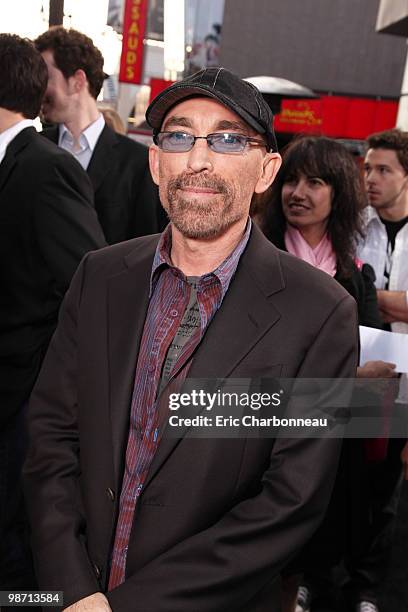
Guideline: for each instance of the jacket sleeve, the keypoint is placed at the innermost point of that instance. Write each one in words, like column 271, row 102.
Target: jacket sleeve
column 52, row 468
column 225, row 566
column 65, row 221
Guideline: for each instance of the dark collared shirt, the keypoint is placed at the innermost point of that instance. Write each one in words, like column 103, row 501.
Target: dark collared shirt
column 170, row 293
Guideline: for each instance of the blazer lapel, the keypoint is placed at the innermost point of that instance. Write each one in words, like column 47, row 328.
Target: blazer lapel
column 246, row 314
column 102, row 157
column 128, row 299
column 51, row 133
column 10, row 159
column 6, row 167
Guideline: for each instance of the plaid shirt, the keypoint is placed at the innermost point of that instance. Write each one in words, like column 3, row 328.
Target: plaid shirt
column 169, row 297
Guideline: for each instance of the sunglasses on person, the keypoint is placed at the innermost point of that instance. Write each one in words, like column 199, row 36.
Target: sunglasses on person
column 220, row 142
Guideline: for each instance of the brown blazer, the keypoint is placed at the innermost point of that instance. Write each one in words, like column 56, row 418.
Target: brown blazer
column 217, row 519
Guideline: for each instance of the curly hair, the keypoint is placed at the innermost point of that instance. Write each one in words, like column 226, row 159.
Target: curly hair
column 23, row 76
column 331, row 161
column 74, row 51
column 394, row 140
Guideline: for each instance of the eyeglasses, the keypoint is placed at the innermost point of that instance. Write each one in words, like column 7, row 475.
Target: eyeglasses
column 225, row 142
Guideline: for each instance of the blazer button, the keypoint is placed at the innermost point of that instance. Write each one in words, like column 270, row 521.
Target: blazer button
column 110, row 494
column 97, row 571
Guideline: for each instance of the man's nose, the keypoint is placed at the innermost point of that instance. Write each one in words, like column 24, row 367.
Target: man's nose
column 369, row 177
column 200, row 157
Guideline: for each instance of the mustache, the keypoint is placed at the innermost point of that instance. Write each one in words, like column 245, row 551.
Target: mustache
column 201, row 181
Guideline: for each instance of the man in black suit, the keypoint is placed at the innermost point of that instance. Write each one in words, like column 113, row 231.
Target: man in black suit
column 47, row 224
column 166, row 523
column 126, row 198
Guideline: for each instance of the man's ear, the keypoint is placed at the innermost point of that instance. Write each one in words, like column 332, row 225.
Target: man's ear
column 154, row 163
column 270, row 166
column 79, row 80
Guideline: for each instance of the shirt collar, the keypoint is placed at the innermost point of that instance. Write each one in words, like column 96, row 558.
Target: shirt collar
column 7, row 136
column 89, row 136
column 371, row 214
column 223, row 273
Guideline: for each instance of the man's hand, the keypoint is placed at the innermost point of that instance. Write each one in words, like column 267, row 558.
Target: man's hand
column 382, row 370
column 404, row 459
column 393, row 305
column 377, row 369
column 93, row 603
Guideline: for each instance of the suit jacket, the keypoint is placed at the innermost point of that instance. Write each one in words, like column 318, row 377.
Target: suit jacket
column 217, row 518
column 126, row 199
column 47, row 224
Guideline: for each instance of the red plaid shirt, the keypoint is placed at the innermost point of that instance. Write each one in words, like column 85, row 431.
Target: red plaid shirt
column 169, row 297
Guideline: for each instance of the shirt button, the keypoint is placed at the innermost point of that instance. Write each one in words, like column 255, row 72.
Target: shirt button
column 124, row 551
column 110, row 493
column 174, row 313
column 138, row 489
column 151, row 368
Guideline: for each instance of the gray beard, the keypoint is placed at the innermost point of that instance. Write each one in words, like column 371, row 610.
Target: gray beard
column 193, row 218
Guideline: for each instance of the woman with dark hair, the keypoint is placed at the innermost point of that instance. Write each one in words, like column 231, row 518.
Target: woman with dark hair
column 317, row 197
column 313, row 212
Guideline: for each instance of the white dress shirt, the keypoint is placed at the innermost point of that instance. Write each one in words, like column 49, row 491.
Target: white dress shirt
column 87, row 141
column 373, row 250
column 8, row 135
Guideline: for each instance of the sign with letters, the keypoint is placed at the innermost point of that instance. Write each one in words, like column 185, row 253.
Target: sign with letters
column 336, row 116
column 134, row 27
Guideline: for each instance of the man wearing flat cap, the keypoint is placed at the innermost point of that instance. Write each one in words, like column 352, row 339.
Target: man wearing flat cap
column 125, row 517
